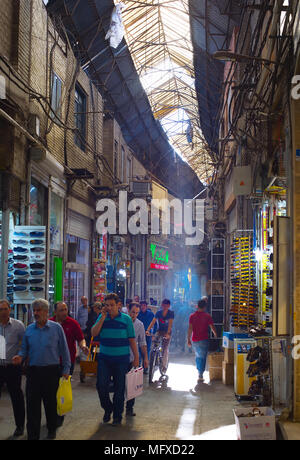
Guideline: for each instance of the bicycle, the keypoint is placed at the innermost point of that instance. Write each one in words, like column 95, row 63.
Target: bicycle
column 156, row 360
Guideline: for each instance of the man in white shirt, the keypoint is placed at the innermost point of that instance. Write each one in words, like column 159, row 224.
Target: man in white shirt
column 11, row 333
column 140, row 337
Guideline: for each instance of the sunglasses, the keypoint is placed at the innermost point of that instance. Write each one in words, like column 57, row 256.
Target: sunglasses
column 36, row 289
column 37, row 234
column 22, row 234
column 20, row 289
column 19, row 281
column 37, row 273
column 37, row 266
column 20, row 266
column 20, row 249
column 21, row 273
column 37, row 249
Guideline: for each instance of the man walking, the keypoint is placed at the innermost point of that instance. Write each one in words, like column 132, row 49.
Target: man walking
column 73, row 334
column 198, row 338
column 146, row 316
column 117, row 337
column 72, row 331
column 45, row 346
column 140, row 337
column 83, row 313
column 11, row 335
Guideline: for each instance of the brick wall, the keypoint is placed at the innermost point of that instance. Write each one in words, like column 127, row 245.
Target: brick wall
column 51, row 53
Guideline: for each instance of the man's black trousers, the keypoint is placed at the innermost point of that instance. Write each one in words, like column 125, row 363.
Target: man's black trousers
column 42, row 385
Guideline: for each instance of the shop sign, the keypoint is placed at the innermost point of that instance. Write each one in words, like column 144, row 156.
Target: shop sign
column 159, row 257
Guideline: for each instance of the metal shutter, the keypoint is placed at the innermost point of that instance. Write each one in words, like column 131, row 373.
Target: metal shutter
column 79, row 225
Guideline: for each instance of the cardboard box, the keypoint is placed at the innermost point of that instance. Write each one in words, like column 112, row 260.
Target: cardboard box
column 215, row 359
column 228, row 373
column 261, row 428
column 215, row 373
column 229, row 355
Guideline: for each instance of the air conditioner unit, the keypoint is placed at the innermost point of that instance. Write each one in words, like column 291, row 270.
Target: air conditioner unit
column 34, row 125
column 140, row 188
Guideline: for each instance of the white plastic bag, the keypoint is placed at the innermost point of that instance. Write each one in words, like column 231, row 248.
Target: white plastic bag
column 134, row 383
column 116, row 31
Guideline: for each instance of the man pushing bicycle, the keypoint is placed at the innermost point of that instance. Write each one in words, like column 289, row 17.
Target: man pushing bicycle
column 165, row 319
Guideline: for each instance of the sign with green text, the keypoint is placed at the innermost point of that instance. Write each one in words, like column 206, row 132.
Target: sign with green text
column 159, row 257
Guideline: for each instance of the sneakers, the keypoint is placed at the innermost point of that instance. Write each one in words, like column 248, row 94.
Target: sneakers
column 200, row 379
column 130, row 413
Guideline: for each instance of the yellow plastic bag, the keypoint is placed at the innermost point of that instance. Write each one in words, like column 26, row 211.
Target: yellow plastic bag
column 64, row 396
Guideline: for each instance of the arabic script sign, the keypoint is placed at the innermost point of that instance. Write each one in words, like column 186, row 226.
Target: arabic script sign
column 159, row 257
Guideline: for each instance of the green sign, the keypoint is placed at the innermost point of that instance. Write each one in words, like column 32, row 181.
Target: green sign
column 159, row 255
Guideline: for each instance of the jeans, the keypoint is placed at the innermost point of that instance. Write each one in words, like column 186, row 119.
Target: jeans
column 117, row 371
column 201, row 350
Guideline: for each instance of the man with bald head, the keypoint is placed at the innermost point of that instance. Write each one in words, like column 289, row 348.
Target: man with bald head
column 73, row 334
column 71, row 329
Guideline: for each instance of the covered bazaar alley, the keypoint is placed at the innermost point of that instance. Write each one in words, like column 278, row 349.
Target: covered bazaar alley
column 149, row 220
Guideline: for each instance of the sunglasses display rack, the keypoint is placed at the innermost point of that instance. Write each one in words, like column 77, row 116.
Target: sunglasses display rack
column 244, row 294
column 28, row 265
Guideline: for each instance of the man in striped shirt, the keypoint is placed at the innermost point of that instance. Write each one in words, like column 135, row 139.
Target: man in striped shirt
column 117, row 337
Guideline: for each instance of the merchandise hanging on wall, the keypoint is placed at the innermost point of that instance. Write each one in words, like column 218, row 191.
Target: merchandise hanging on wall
column 99, row 266
column 27, row 267
column 244, row 296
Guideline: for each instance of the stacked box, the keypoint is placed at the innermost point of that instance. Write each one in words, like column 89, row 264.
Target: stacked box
column 227, row 373
column 229, row 355
column 215, row 366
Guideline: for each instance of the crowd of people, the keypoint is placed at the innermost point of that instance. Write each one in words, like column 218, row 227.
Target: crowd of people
column 46, row 351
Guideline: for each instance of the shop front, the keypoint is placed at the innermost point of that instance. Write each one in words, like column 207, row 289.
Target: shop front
column 77, row 279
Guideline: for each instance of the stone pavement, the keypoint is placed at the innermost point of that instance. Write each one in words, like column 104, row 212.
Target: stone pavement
column 163, row 413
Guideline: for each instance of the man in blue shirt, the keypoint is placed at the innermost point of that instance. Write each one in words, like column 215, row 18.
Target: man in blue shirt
column 146, row 316
column 45, row 346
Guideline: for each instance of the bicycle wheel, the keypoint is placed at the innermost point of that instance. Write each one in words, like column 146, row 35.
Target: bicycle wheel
column 162, row 370
column 152, row 365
